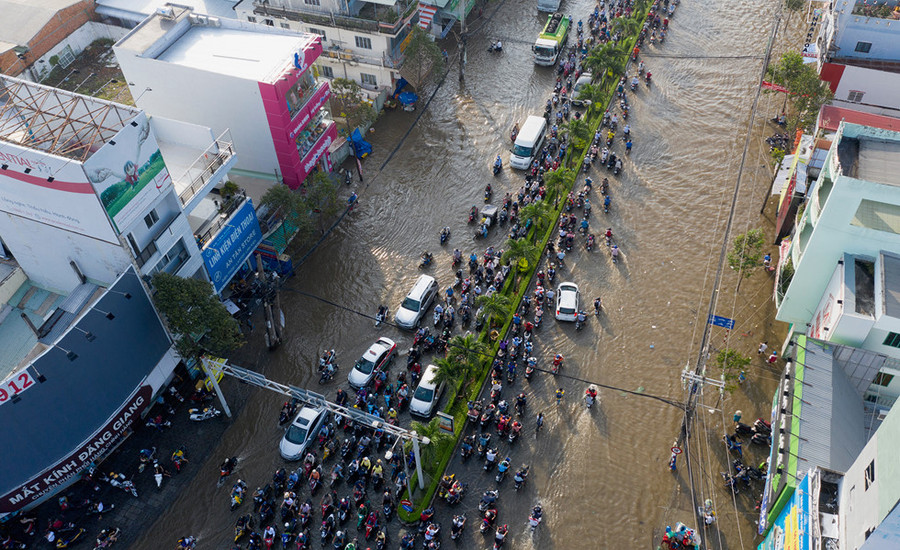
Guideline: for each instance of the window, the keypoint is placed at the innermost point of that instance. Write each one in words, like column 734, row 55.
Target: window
column 269, row 22
column 863, row 47
column 251, row 19
column 363, row 42
column 855, row 96
column 285, row 26
column 312, row 2
column 320, row 32
column 883, row 379
column 151, row 218
column 893, row 340
column 133, row 243
column 326, row 71
column 368, row 79
column 870, row 474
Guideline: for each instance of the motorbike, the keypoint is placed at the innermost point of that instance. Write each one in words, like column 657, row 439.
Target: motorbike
column 381, row 315
column 502, row 468
column 106, row 538
column 69, row 536
column 514, row 430
column 269, row 537
column 483, row 441
column 500, row 536
column 237, row 494
column 328, row 373
column 590, row 396
column 647, row 79
column 198, row 415
column 487, row 519
column 426, row 260
column 371, row 525
column 534, row 519
column 497, row 167
column 119, row 481
column 456, row 528
column 520, row 477
column 488, row 499
column 496, row 46
column 488, row 193
column 618, row 167
column 445, row 234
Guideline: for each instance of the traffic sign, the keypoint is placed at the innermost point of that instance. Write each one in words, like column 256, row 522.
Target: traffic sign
column 676, row 450
column 723, row 322
column 406, row 505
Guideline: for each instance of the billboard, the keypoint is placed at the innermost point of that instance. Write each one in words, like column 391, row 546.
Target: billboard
column 50, row 190
column 129, row 173
column 224, row 254
column 791, row 529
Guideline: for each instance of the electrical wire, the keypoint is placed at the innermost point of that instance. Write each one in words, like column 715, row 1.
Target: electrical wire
column 666, row 400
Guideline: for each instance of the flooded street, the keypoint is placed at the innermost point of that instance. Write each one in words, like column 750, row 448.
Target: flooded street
column 600, row 474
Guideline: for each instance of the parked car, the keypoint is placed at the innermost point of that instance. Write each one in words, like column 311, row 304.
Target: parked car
column 567, row 302
column 302, row 432
column 375, row 359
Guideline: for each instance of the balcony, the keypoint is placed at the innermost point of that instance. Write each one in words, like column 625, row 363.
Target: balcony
column 203, row 171
column 212, row 213
column 370, row 19
column 335, row 51
column 162, row 241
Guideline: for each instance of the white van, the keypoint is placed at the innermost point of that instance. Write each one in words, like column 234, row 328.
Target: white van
column 528, row 142
column 416, row 302
column 427, row 394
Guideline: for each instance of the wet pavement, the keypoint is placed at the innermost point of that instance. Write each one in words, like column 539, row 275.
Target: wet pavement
column 599, row 474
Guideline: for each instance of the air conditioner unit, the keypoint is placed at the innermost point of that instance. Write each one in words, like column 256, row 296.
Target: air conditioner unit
column 882, row 413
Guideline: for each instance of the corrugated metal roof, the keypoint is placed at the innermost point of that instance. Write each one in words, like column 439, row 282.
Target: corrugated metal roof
column 830, row 118
column 832, row 430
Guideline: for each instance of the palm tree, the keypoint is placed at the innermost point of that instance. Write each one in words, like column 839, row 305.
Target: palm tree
column 537, row 213
column 494, row 305
column 450, row 371
column 606, row 60
column 626, row 25
column 438, row 441
column 518, row 250
column 578, row 131
column 593, row 93
column 467, row 350
column 559, row 181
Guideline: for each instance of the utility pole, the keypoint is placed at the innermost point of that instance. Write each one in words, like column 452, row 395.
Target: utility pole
column 463, row 37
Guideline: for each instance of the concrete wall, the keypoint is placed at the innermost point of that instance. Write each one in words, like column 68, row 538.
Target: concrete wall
column 863, row 510
column 60, row 26
column 44, row 253
column 883, row 34
column 200, row 97
column 78, row 41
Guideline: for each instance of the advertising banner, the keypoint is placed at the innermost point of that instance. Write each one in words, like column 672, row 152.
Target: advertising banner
column 319, row 149
column 94, row 448
column 224, row 254
column 791, row 529
column 54, row 191
column 129, row 172
column 303, row 116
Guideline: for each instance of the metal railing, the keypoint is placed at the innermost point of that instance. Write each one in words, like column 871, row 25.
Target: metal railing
column 335, row 19
column 146, row 254
column 212, row 226
column 213, row 158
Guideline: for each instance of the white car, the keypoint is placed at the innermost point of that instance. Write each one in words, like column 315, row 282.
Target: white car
column 583, row 80
column 302, row 432
column 375, row 359
column 567, row 302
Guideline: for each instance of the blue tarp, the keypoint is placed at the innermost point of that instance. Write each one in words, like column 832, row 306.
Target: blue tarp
column 406, row 98
column 360, row 146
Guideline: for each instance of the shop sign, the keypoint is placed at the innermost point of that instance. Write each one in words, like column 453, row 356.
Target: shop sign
column 224, row 254
column 321, row 146
column 14, row 385
column 70, row 466
column 312, row 106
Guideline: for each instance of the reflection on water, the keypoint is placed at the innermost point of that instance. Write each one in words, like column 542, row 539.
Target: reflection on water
column 599, row 473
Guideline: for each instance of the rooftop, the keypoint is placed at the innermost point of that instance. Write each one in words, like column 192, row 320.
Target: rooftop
column 137, row 10
column 58, row 122
column 830, row 118
column 24, row 19
column 48, row 312
column 234, row 52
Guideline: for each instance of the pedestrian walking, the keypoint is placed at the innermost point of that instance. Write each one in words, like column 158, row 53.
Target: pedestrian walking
column 559, row 395
column 539, row 421
column 773, row 357
column 762, row 348
column 737, row 416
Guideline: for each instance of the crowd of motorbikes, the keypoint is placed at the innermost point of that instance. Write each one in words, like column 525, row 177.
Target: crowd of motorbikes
column 740, row 474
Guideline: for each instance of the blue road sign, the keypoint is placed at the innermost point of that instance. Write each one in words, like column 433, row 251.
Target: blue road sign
column 723, row 322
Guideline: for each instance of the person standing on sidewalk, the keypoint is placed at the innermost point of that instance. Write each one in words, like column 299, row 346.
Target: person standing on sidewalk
column 772, row 358
column 737, row 416
column 762, row 348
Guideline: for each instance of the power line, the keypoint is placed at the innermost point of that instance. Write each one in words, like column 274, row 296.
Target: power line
column 665, row 400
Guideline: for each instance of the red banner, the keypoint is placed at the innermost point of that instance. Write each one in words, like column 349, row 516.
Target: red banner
column 775, row 87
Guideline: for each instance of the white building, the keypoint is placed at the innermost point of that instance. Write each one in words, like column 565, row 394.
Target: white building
column 853, row 208
column 858, row 54
column 361, row 40
column 224, row 73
